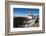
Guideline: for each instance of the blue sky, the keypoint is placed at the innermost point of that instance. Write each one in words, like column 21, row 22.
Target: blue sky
column 25, row 11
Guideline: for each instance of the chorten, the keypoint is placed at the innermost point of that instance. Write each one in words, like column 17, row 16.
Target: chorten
column 30, row 15
column 29, row 20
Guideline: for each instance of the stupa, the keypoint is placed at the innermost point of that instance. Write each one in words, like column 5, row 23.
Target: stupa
column 30, row 16
column 28, row 21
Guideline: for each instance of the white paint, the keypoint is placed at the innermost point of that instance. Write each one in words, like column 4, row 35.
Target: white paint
column 29, row 17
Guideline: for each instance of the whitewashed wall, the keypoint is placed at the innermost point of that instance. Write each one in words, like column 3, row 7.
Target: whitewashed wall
column 2, row 18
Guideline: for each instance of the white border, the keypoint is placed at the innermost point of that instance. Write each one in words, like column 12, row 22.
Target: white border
column 29, row 28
